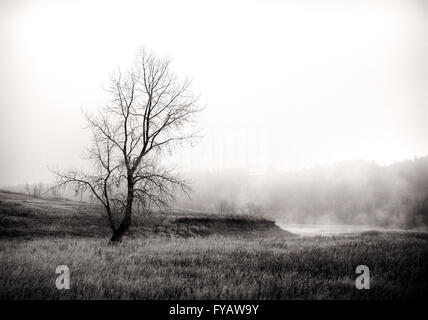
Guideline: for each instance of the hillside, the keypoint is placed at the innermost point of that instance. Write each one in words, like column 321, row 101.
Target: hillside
column 23, row 216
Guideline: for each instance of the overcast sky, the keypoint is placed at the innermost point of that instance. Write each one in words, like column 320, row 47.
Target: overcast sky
column 286, row 84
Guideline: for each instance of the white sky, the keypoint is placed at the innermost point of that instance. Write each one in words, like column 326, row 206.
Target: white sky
column 286, row 83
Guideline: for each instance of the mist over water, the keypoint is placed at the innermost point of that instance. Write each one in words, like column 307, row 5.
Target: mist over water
column 333, row 229
column 351, row 193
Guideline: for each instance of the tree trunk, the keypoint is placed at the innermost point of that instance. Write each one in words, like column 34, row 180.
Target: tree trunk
column 119, row 232
column 126, row 221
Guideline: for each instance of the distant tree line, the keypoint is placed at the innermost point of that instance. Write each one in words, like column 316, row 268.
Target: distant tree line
column 40, row 190
column 353, row 192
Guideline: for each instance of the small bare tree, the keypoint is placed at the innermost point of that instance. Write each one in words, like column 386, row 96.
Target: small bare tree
column 27, row 189
column 151, row 110
column 38, row 189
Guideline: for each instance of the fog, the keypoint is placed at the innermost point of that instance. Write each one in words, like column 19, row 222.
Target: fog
column 286, row 85
column 350, row 192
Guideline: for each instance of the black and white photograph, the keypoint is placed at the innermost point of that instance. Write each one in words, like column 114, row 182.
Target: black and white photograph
column 230, row 151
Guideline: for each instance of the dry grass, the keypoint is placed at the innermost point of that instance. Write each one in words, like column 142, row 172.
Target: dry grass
column 216, row 268
column 232, row 265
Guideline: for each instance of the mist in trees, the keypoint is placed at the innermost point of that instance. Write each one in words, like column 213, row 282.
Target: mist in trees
column 352, row 192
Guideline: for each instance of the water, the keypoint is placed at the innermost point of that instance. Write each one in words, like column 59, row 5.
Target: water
column 329, row 230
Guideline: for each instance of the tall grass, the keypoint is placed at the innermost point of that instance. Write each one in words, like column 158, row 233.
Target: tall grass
column 217, row 267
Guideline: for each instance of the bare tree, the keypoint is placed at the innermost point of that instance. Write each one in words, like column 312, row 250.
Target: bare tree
column 151, row 110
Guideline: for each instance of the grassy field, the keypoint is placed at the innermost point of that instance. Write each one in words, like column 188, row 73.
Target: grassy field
column 196, row 257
